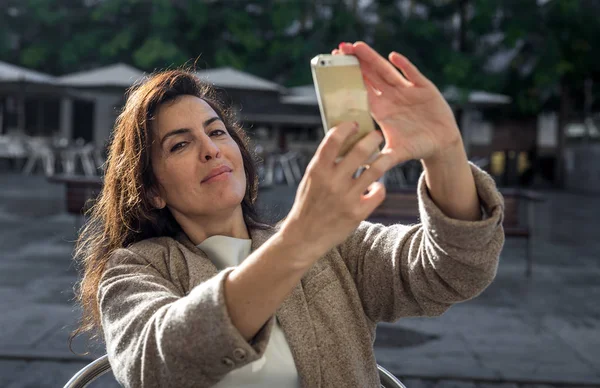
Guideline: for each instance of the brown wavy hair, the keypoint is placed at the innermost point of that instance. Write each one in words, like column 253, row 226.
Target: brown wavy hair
column 123, row 213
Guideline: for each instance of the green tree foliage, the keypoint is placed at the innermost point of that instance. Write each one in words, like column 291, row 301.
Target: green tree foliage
column 524, row 48
column 556, row 44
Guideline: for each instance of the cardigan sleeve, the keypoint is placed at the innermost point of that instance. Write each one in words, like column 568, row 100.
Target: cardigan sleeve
column 421, row 270
column 158, row 337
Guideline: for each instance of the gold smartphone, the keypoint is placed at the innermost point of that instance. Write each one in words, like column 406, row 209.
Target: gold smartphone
column 342, row 94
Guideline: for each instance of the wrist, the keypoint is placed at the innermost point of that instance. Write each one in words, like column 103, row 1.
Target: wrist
column 449, row 157
column 292, row 241
column 451, row 185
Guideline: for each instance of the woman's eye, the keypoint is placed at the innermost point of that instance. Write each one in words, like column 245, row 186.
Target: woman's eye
column 218, row 132
column 178, row 146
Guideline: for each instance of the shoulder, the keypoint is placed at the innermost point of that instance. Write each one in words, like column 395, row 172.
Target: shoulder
column 162, row 253
column 154, row 246
column 162, row 257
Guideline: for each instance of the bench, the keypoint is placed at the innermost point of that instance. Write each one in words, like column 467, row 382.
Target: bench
column 519, row 218
column 80, row 192
column 401, row 205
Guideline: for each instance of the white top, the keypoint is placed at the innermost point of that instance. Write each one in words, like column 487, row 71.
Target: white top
column 276, row 368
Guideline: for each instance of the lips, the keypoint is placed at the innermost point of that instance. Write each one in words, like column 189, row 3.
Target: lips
column 216, row 171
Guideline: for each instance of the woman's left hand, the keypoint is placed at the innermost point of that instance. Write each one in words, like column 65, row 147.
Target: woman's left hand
column 416, row 120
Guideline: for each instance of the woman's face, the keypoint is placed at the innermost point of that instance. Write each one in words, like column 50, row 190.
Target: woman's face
column 197, row 164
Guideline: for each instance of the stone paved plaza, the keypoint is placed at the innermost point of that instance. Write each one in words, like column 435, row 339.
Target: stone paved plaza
column 540, row 332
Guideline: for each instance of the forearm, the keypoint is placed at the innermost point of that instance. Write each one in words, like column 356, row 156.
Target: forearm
column 451, row 185
column 258, row 286
column 430, row 266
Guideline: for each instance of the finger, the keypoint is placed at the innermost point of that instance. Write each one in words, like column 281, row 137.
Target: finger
column 373, row 79
column 410, row 71
column 366, row 70
column 335, row 52
column 346, row 48
column 331, row 144
column 374, row 172
column 399, row 154
column 360, row 153
column 372, row 93
column 370, row 72
column 379, row 65
column 372, row 199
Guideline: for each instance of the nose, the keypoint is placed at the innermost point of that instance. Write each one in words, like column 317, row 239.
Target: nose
column 209, row 149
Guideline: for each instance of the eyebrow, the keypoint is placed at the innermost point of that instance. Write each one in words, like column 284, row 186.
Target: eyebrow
column 180, row 131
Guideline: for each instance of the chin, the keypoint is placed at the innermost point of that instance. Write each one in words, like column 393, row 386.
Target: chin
column 224, row 202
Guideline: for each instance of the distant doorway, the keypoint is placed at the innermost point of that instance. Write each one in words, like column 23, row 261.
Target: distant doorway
column 2, row 122
column 83, row 120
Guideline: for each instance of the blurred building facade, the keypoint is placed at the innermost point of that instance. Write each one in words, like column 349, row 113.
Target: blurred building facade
column 84, row 105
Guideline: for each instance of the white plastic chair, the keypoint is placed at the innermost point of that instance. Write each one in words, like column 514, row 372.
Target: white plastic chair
column 100, row 366
column 290, row 164
column 40, row 151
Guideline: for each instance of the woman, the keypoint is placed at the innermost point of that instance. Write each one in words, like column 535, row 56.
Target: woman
column 191, row 290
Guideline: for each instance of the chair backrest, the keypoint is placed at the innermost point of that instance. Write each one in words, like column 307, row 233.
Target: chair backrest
column 89, row 373
column 388, row 380
column 100, row 366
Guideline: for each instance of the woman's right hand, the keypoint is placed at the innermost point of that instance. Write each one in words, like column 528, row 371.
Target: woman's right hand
column 330, row 203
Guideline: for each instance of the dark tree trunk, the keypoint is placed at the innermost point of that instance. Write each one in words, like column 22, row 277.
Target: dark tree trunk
column 563, row 119
column 462, row 47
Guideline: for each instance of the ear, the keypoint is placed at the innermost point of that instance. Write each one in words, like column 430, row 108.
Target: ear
column 156, row 200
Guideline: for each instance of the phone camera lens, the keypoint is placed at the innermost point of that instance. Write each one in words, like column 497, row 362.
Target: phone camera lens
column 322, row 63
